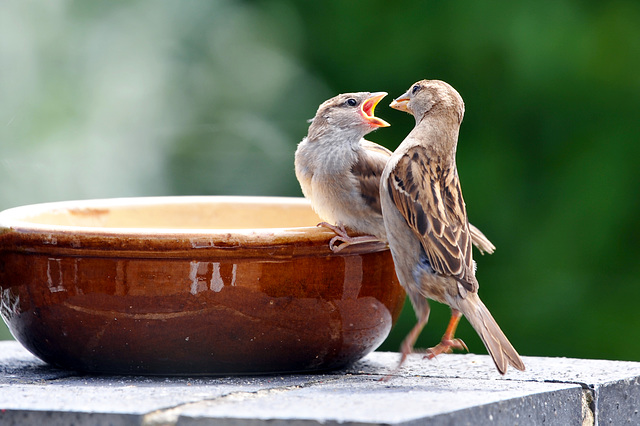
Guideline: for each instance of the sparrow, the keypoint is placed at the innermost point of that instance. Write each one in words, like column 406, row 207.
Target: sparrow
column 427, row 227
column 339, row 171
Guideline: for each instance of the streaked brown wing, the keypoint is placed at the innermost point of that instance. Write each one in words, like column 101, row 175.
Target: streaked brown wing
column 431, row 202
column 367, row 171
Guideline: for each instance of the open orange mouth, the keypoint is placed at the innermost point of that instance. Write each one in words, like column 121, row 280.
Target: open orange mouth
column 368, row 109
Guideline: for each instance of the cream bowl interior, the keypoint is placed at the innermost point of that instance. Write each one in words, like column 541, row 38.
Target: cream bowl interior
column 167, row 213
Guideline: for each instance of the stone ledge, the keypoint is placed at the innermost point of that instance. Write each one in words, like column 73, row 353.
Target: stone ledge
column 453, row 389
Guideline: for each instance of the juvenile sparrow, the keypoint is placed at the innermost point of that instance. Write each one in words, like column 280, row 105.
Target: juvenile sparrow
column 339, row 171
column 427, row 227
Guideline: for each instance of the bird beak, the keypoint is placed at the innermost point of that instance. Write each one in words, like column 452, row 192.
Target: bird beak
column 368, row 108
column 401, row 103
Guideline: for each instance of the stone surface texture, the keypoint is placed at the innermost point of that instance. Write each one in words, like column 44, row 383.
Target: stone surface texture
column 450, row 390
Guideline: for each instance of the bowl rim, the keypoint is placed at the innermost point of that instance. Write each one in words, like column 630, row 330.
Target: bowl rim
column 18, row 234
column 13, row 218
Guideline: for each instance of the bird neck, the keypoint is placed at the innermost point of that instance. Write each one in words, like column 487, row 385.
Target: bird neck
column 338, row 150
column 338, row 137
column 438, row 133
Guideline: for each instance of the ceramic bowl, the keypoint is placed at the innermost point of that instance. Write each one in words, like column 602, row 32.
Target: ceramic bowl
column 191, row 286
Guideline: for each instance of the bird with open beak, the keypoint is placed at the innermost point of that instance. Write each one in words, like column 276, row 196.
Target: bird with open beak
column 339, row 171
column 427, row 227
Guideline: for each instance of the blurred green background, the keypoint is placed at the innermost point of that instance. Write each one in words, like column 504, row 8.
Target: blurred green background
column 142, row 98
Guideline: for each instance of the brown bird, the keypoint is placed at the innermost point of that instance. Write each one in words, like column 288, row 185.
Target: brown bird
column 427, row 227
column 339, row 171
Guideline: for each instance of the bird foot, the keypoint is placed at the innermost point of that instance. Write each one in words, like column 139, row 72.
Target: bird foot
column 342, row 238
column 405, row 349
column 446, row 346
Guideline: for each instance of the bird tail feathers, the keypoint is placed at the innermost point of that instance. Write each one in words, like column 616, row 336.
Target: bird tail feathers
column 479, row 240
column 497, row 344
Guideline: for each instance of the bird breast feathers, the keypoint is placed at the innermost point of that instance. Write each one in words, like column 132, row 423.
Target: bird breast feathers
column 429, row 198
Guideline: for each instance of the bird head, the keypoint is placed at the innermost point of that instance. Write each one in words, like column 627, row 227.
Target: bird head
column 351, row 112
column 427, row 95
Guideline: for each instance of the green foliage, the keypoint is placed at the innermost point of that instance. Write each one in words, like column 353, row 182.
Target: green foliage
column 150, row 98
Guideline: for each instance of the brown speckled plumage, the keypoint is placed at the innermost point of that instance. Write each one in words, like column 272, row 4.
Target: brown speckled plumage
column 426, row 222
column 339, row 171
column 430, row 199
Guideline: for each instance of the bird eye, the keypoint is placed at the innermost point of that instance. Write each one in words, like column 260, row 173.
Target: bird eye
column 415, row 89
column 352, row 102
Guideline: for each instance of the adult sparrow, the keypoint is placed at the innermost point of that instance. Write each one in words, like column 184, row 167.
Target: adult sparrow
column 427, row 227
column 339, row 171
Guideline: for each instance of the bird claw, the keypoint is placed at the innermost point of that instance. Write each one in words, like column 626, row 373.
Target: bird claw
column 342, row 238
column 337, row 229
column 446, row 347
column 337, row 248
column 405, row 350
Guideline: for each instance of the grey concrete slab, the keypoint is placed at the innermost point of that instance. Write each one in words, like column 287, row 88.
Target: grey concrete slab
column 19, row 366
column 570, row 370
column 614, row 386
column 453, row 389
column 400, row 401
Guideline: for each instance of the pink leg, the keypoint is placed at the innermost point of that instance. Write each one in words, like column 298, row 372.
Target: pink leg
column 406, row 347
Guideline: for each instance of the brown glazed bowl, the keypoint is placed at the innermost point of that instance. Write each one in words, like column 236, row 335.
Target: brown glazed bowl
column 191, row 286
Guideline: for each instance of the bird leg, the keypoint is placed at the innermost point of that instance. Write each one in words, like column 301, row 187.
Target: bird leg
column 406, row 347
column 344, row 239
column 407, row 344
column 448, row 342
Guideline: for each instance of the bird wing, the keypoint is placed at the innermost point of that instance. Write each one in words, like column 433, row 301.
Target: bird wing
column 430, row 200
column 367, row 170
